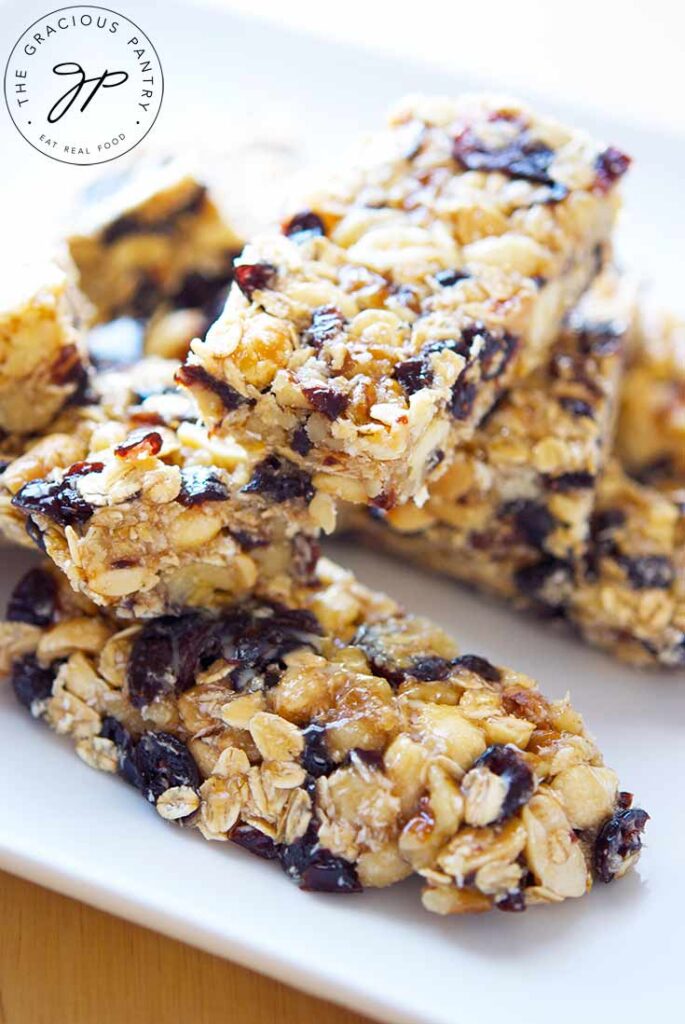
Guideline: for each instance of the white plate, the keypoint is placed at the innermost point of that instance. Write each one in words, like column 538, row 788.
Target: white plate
column 617, row 952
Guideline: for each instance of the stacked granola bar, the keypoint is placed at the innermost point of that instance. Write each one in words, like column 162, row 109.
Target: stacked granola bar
column 437, row 336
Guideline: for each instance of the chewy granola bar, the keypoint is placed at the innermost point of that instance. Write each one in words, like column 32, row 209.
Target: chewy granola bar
column 512, row 512
column 154, row 515
column 651, row 429
column 370, row 338
column 42, row 349
column 337, row 736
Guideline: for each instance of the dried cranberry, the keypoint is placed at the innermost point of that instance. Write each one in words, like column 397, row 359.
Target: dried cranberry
column 619, row 838
column 496, row 351
column 316, row 759
column 191, row 375
column 34, row 599
column 513, row 902
column 304, row 225
column 327, row 400
column 464, row 394
column 577, row 481
column 204, row 291
column 646, row 571
column 254, row 841
column 521, row 158
column 446, row 278
column 199, row 484
column 257, row 641
column 140, row 442
column 506, row 761
column 532, row 520
column 327, row 324
column 164, row 762
column 30, row 681
column 610, row 165
column 481, row 666
column 576, row 406
column 253, row 277
column 414, row 374
column 316, row 869
column 58, row 500
column 280, row 480
column 166, row 654
column 300, row 441
column 113, row 730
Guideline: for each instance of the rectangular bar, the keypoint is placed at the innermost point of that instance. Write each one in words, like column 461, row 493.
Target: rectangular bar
column 369, row 340
column 42, row 348
column 512, row 513
column 336, row 735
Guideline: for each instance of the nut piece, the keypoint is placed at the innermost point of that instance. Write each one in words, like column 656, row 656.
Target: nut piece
column 553, row 852
column 587, row 793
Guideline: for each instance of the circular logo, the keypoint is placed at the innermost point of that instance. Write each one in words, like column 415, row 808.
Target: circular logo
column 84, row 85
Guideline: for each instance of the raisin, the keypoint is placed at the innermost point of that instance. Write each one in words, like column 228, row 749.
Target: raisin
column 327, row 324
column 610, row 165
column 601, row 338
column 532, row 520
column 576, row 406
column 513, row 902
column 253, row 277
column 257, row 641
column 280, row 480
column 199, row 484
column 413, row 374
column 430, row 668
column 254, row 841
column 303, row 226
column 521, row 158
column 315, row 758
column 164, row 762
column 330, row 402
column 35, row 533
column 481, row 666
column 203, row 291
column 507, row 762
column 166, row 654
column 578, row 481
column 619, row 839
column 545, row 581
column 113, row 730
column 463, row 398
column 316, row 869
column 646, row 571
column 30, row 681
column 604, row 522
column 446, row 278
column 496, row 352
column 57, row 500
column 191, row 375
column 34, row 599
column 300, row 441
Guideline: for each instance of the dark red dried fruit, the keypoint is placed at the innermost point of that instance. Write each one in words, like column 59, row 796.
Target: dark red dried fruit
column 497, row 350
column 205, row 291
column 316, row 869
column 67, row 366
column 513, row 902
column 34, row 599
column 30, row 681
column 301, row 442
column 507, row 762
column 304, row 225
column 429, row 668
column 619, row 838
column 253, row 277
column 523, row 157
column 446, row 278
column 200, row 484
column 546, row 581
column 647, row 571
column 601, row 338
column 610, row 165
column 576, row 406
column 258, row 640
column 316, row 759
column 191, row 375
column 414, row 374
column 254, row 841
column 532, row 520
column 280, row 480
column 140, row 442
column 578, row 481
column 481, row 666
column 58, row 500
column 163, row 762
column 129, row 224
column 464, row 394
column 306, row 553
column 327, row 400
column 166, row 654
column 114, row 731
column 327, row 324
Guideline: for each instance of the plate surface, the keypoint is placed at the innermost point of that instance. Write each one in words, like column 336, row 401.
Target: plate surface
column 617, row 952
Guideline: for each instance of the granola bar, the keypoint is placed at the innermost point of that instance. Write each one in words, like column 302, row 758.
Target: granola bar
column 150, row 235
column 651, row 429
column 629, row 597
column 42, row 350
column 512, row 512
column 155, row 515
column 371, row 338
column 338, row 736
